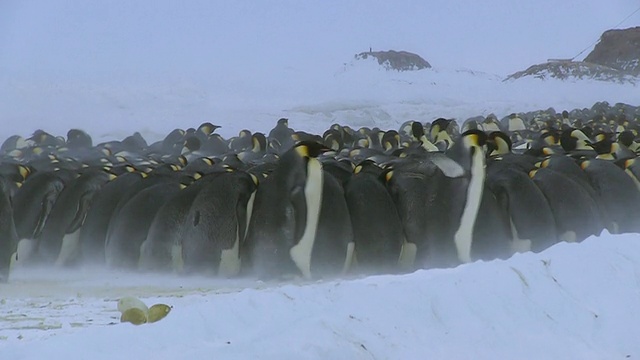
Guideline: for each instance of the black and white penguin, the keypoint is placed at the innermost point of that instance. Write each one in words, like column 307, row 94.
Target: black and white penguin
column 618, row 195
column 130, row 224
column 530, row 217
column 78, row 139
column 377, row 229
column 492, row 229
column 287, row 219
column 441, row 131
column 8, row 235
column 162, row 249
column 59, row 242
column 281, row 133
column 14, row 143
column 632, row 168
column 576, row 213
column 216, row 225
column 93, row 233
column 257, row 150
column 437, row 197
column 32, row 205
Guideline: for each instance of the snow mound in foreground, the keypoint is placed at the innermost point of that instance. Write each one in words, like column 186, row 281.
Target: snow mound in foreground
column 576, row 301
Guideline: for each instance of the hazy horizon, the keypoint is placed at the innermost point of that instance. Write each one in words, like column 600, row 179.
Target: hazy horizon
column 75, row 40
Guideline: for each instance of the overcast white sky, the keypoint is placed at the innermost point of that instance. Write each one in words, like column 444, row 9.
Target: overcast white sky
column 73, row 39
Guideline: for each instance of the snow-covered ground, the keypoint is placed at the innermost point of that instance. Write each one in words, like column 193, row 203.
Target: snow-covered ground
column 572, row 301
column 115, row 67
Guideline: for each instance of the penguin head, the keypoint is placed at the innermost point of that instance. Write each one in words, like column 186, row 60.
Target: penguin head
column 78, row 139
column 309, row 149
column 259, row 142
column 367, row 166
column 498, row 143
column 390, row 140
column 207, row 128
column 574, row 139
column 333, row 139
column 626, row 138
column 474, row 138
column 438, row 125
column 284, row 122
column 417, row 130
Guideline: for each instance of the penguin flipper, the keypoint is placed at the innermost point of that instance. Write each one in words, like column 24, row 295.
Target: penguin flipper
column 47, row 204
column 81, row 212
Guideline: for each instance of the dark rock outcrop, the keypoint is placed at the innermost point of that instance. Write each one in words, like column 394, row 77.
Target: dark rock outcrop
column 564, row 70
column 396, row 60
column 618, row 49
column 616, row 58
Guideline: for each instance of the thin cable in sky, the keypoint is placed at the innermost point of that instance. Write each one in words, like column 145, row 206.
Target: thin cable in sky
column 614, row 26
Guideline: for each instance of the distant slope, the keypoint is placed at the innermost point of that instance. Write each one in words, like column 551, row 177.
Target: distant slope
column 615, row 58
column 575, row 70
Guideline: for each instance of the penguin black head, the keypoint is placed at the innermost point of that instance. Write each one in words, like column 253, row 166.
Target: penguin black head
column 391, row 140
column 626, row 138
column 78, row 139
column 43, row 138
column 308, row 149
column 498, row 143
column 259, row 142
column 474, row 137
column 573, row 139
column 438, row 125
column 333, row 138
column 207, row 128
column 417, row 129
column 604, row 146
column 368, row 166
column 283, row 122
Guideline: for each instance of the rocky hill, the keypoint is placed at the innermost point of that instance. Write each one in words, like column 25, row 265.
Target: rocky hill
column 618, row 49
column 565, row 70
column 616, row 58
column 396, row 60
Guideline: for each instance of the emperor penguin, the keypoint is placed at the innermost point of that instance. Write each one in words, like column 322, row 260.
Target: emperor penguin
column 162, row 248
column 78, row 139
column 287, row 218
column 438, row 197
column 377, row 229
column 32, row 205
column 59, row 243
column 215, row 226
column 93, row 233
column 531, row 221
column 575, row 212
column 8, row 235
column 617, row 193
column 129, row 226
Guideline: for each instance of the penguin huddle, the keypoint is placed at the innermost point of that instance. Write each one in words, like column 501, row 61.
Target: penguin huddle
column 296, row 204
